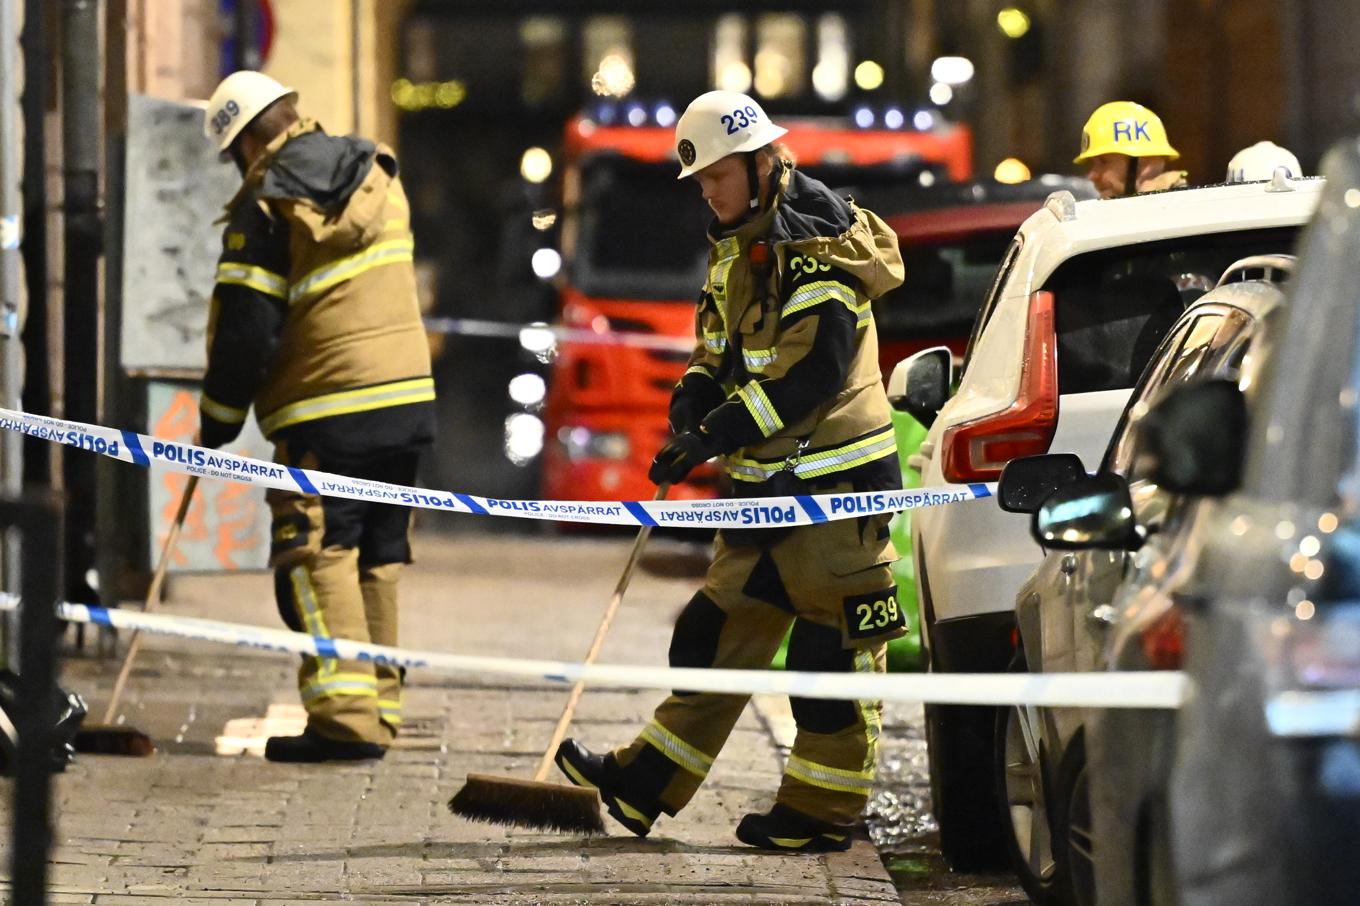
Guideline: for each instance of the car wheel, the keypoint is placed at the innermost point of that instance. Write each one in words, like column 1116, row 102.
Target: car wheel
column 1073, row 843
column 1023, row 800
column 959, row 741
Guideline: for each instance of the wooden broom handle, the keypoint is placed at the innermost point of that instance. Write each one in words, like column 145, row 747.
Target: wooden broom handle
column 612, row 608
column 153, row 595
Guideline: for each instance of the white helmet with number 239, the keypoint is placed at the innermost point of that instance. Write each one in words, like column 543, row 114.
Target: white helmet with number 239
column 240, row 98
column 719, row 123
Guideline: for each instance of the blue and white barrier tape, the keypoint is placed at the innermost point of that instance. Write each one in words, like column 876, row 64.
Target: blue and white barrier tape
column 1150, row 689
column 746, row 512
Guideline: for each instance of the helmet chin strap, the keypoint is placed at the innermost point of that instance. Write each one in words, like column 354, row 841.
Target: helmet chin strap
column 752, row 182
column 1131, row 181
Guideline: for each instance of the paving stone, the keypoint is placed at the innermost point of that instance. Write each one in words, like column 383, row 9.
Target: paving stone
column 183, row 827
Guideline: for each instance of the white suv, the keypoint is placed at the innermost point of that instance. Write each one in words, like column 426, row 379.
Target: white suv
column 1080, row 302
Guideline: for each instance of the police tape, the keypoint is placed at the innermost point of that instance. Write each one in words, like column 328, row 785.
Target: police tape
column 1133, row 689
column 539, row 337
column 732, row 513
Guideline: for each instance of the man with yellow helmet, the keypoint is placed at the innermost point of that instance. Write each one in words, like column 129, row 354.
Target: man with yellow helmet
column 1126, row 151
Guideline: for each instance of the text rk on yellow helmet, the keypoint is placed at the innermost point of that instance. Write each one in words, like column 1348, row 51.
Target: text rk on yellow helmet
column 1123, row 127
column 239, row 98
column 717, row 124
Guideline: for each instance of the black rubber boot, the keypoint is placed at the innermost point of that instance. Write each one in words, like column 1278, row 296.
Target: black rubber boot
column 312, row 747
column 584, row 768
column 783, row 829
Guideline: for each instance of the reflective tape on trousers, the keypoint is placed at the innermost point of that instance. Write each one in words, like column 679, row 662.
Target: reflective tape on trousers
column 1150, row 689
column 743, row 512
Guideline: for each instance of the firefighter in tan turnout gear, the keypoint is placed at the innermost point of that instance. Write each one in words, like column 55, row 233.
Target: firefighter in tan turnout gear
column 314, row 323
column 784, row 385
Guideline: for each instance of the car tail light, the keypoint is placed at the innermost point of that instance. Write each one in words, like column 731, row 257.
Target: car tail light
column 1163, row 641
column 977, row 450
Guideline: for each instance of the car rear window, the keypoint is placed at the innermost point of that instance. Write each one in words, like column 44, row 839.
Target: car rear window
column 1115, row 306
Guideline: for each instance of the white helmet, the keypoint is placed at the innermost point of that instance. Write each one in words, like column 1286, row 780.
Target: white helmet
column 1260, row 161
column 239, row 98
column 717, row 124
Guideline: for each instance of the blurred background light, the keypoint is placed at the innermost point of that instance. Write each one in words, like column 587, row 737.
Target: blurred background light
column 952, row 70
column 1012, row 22
column 523, row 437
column 1012, row 170
column 535, row 165
column 869, row 75
column 528, row 389
column 546, row 263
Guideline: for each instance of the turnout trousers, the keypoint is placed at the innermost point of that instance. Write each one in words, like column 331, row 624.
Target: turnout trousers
column 831, row 583
column 336, row 564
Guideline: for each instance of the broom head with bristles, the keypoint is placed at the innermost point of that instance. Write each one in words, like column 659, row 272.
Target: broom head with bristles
column 535, row 804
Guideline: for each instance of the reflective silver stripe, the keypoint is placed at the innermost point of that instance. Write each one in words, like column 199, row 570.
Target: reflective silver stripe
column 697, row 369
column 391, row 251
column 829, row 778
column 677, row 750
column 715, row 342
column 398, row 393
column 761, row 409
column 256, row 278
column 759, row 359
column 816, row 293
column 229, row 415
column 814, row 465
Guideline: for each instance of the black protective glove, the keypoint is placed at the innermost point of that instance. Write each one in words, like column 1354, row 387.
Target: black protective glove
column 215, row 434
column 684, row 413
column 677, row 458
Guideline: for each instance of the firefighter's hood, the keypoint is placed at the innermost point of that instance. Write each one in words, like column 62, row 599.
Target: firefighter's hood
column 811, row 219
column 314, row 179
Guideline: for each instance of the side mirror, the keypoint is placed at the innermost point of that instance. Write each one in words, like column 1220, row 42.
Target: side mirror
column 1091, row 512
column 1028, row 481
column 919, row 385
column 1195, row 437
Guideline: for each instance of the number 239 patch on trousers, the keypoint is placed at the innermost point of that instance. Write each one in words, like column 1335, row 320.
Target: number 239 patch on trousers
column 874, row 614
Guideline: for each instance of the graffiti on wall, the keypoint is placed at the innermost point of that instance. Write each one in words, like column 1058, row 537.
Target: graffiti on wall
column 227, row 526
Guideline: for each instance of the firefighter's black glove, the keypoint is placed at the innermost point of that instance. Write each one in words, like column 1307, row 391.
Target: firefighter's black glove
column 677, row 458
column 684, row 413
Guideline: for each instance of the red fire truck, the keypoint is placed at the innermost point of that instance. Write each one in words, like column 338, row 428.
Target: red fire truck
column 634, row 254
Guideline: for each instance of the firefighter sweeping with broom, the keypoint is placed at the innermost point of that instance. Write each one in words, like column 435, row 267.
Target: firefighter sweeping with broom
column 314, row 322
column 784, row 386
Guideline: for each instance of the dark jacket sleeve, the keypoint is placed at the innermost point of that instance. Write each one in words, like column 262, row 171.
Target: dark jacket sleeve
column 249, row 301
column 818, row 321
column 700, row 389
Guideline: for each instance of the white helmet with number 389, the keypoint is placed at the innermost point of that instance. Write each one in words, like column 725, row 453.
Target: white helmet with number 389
column 719, row 123
column 238, row 99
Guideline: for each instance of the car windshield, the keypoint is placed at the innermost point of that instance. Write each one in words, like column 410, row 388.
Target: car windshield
column 1115, row 306
column 642, row 230
column 945, row 283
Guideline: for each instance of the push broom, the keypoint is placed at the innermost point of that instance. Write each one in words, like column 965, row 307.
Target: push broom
column 537, row 803
column 108, row 738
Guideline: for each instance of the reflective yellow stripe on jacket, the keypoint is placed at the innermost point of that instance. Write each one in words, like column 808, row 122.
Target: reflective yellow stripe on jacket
column 390, row 251
column 823, row 462
column 365, row 399
column 256, row 278
column 227, row 415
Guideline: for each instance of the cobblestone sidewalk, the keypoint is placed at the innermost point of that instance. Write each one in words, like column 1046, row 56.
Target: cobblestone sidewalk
column 190, row 826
